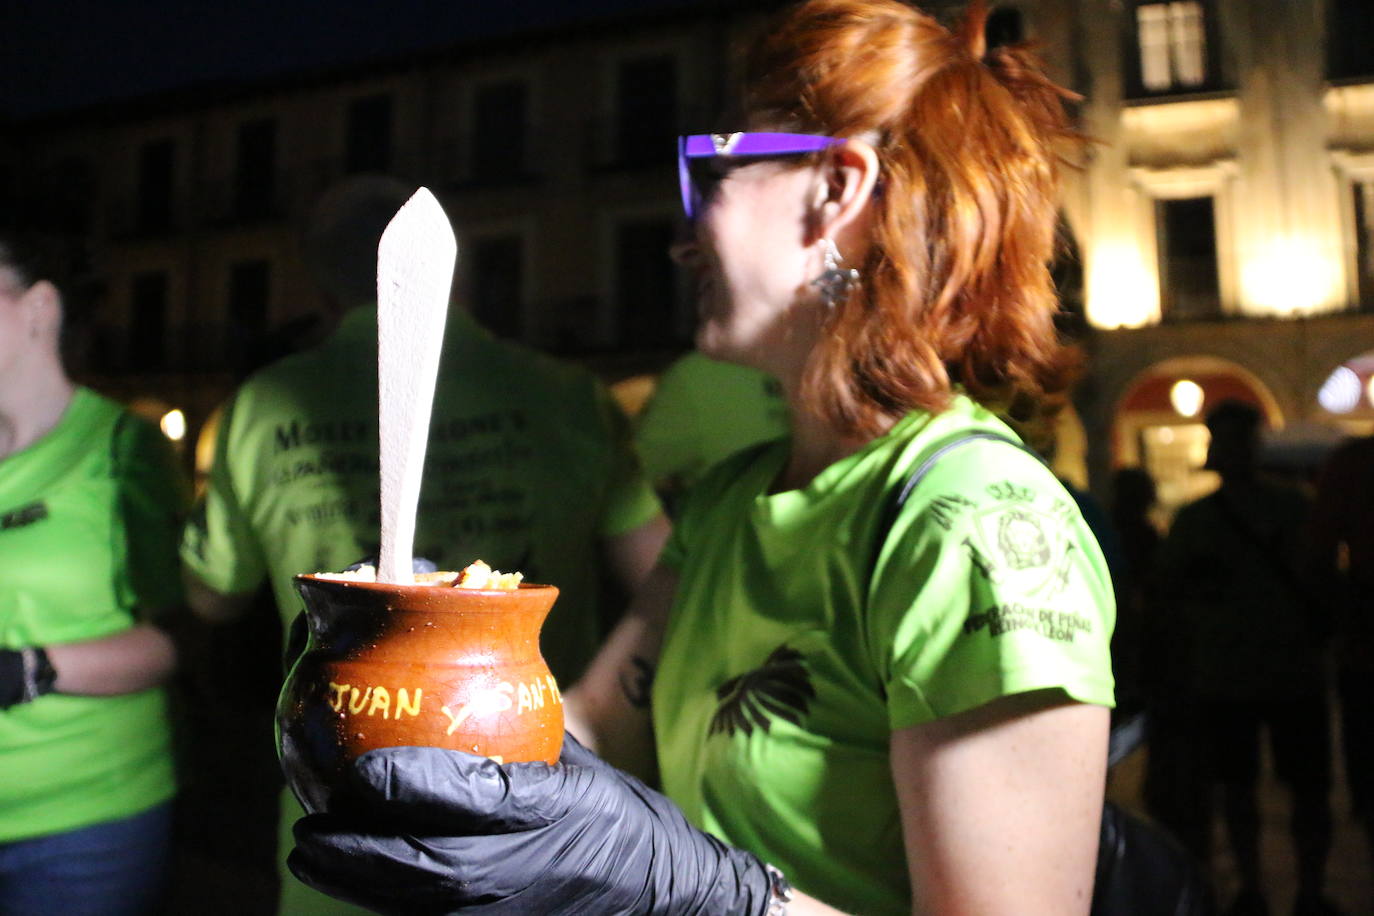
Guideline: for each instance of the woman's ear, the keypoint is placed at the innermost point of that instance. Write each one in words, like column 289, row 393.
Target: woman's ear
column 848, row 177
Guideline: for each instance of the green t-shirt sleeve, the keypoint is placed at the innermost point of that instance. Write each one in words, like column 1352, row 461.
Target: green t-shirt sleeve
column 218, row 544
column 989, row 584
column 153, row 495
column 630, row 501
column 665, row 430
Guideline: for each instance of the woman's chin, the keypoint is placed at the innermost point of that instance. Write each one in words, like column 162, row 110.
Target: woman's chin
column 707, row 341
column 712, row 343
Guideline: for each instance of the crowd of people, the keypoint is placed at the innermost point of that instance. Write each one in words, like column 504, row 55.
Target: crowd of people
column 869, row 669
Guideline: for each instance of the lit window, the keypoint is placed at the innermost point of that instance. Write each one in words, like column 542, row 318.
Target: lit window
column 1173, row 45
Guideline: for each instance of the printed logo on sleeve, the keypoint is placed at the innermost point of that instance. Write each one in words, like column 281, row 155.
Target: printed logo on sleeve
column 1017, row 539
column 1022, row 542
column 1022, row 549
column 1061, row 626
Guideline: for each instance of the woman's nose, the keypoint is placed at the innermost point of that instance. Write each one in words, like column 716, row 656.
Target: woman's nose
column 684, row 249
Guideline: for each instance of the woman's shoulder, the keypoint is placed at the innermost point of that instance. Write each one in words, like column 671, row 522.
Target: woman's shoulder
column 965, row 447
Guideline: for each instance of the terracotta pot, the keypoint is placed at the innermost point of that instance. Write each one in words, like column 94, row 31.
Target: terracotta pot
column 390, row 665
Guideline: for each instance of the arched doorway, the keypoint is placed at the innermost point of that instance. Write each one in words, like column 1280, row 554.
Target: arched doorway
column 1158, row 422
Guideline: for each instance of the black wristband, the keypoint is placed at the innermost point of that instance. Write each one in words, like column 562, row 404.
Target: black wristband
column 39, row 674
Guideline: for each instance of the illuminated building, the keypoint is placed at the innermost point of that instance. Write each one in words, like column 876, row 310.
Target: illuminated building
column 1224, row 220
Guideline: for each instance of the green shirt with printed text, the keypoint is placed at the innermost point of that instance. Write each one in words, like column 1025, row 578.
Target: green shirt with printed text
column 528, row 467
column 805, row 632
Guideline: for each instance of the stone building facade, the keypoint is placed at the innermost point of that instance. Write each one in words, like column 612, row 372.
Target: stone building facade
column 1223, row 218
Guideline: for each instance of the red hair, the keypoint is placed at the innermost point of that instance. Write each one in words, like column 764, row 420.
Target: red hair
column 955, row 288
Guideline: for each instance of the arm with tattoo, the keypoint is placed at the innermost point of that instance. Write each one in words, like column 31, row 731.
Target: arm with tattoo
column 608, row 710
column 637, row 682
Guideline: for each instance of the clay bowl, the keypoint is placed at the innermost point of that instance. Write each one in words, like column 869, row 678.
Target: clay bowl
column 391, row 665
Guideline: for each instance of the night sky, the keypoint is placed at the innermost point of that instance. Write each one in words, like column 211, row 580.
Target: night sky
column 62, row 54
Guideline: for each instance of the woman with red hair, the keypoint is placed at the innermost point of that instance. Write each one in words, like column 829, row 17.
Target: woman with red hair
column 873, row 661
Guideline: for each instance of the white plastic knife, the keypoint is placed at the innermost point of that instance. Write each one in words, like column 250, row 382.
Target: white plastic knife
column 415, row 262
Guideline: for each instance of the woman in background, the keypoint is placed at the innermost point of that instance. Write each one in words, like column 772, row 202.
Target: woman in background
column 882, row 645
column 90, row 510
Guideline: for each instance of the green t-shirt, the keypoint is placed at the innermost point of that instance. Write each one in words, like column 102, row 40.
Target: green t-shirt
column 801, row 638
column 528, row 467
column 703, row 411
column 89, row 520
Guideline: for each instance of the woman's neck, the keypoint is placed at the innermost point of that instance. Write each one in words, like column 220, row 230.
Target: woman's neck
column 816, row 444
column 28, row 412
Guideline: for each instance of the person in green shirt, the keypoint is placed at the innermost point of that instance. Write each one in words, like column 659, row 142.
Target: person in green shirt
column 91, row 503
column 529, row 466
column 882, row 645
column 701, row 412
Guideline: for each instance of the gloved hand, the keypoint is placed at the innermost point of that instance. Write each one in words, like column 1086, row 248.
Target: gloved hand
column 425, row 830
column 25, row 674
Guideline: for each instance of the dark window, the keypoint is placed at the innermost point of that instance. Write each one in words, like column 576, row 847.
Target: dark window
column 1364, row 242
column 156, row 174
column 368, row 140
column 1188, row 276
column 646, row 288
column 499, row 118
column 255, row 171
column 496, row 267
column 646, row 111
column 1005, row 27
column 148, row 321
column 1350, row 50
column 1171, row 49
column 250, row 284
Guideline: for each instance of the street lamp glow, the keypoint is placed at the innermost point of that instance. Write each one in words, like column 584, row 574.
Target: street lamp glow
column 1186, row 397
column 174, row 425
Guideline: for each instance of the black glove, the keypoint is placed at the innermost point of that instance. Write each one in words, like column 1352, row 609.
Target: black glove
column 25, row 674
column 425, row 830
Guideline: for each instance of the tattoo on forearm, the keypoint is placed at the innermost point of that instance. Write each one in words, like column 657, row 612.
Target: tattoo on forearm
column 638, row 683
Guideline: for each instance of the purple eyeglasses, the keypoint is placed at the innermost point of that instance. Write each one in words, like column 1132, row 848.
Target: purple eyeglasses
column 707, row 146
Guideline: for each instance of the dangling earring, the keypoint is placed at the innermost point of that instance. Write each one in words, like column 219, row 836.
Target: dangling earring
column 835, row 282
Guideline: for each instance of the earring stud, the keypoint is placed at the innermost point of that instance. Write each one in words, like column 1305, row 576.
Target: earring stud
column 835, row 282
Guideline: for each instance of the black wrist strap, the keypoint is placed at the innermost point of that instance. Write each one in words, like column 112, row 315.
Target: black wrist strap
column 39, row 674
